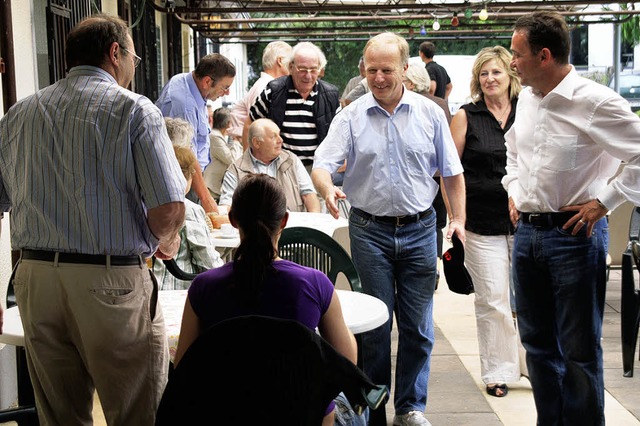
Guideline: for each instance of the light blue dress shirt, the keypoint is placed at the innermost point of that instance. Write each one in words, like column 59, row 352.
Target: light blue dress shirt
column 390, row 158
column 180, row 98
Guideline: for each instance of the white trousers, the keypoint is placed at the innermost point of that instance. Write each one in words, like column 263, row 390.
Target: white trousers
column 488, row 259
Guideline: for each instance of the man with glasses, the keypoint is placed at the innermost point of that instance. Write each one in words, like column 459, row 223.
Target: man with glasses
column 300, row 104
column 88, row 171
column 185, row 96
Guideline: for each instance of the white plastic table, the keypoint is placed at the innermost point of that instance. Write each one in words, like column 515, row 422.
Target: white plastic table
column 361, row 313
column 321, row 221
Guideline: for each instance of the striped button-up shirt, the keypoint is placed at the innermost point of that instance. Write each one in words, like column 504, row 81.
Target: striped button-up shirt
column 81, row 161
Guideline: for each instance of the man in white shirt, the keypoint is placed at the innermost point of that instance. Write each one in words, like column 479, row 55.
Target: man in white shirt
column 568, row 139
column 275, row 63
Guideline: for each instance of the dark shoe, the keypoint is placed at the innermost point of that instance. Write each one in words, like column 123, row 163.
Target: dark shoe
column 498, row 390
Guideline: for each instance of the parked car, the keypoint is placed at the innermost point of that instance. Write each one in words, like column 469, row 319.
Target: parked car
column 629, row 88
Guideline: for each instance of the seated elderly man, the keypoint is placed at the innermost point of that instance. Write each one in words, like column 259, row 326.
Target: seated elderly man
column 265, row 155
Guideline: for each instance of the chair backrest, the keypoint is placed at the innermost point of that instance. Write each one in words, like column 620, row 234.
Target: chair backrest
column 243, row 370
column 176, row 271
column 315, row 249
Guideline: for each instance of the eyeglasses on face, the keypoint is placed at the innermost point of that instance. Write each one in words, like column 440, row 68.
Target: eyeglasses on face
column 136, row 59
column 302, row 70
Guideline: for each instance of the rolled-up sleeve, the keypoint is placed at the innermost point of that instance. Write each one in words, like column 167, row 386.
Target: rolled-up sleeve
column 333, row 150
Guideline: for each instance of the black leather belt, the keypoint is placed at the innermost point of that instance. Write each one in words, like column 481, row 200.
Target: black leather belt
column 394, row 220
column 546, row 220
column 89, row 259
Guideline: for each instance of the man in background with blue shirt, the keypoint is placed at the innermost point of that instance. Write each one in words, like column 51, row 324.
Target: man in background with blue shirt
column 394, row 141
column 185, row 96
column 88, row 171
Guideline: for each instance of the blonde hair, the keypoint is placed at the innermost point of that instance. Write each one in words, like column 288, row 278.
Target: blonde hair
column 187, row 160
column 418, row 75
column 389, row 38
column 503, row 58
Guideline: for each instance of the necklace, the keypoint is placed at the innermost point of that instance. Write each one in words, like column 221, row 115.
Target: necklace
column 503, row 113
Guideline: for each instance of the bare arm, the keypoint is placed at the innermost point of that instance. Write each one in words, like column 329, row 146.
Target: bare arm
column 245, row 134
column 189, row 331
column 311, row 202
column 200, row 187
column 433, row 86
column 334, row 330
column 165, row 221
column 330, row 194
column 459, row 130
column 454, row 186
column 447, row 90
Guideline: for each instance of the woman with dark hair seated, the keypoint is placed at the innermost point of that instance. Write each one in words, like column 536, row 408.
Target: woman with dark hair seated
column 258, row 282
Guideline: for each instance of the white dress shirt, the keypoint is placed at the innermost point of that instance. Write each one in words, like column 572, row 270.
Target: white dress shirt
column 563, row 148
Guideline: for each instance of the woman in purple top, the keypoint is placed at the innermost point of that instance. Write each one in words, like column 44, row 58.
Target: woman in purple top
column 258, row 282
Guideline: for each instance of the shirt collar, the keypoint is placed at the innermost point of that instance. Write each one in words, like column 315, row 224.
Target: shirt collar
column 255, row 161
column 408, row 98
column 566, row 87
column 88, row 70
column 193, row 88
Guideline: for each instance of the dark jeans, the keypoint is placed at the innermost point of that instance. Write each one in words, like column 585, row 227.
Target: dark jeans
column 398, row 264
column 560, row 283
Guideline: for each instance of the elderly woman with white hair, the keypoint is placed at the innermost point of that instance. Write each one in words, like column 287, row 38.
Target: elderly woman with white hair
column 417, row 80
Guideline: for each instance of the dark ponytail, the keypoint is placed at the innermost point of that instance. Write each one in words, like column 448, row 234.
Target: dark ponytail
column 257, row 208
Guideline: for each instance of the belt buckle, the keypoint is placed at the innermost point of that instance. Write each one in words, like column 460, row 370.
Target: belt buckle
column 398, row 219
column 533, row 217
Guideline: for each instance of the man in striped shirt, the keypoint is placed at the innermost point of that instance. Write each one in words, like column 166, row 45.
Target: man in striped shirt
column 94, row 188
column 300, row 104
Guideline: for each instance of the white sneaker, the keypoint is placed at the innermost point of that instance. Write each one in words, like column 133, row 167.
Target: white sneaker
column 412, row 418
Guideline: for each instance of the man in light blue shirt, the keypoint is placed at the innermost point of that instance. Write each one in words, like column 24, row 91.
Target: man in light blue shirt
column 265, row 155
column 394, row 141
column 185, row 96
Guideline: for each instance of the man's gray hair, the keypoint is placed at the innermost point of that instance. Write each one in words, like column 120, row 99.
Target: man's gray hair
column 306, row 45
column 256, row 129
column 273, row 51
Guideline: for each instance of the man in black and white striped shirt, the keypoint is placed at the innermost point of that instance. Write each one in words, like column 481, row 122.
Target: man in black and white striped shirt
column 300, row 104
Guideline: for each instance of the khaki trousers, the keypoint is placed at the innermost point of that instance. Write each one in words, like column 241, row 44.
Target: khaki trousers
column 92, row 327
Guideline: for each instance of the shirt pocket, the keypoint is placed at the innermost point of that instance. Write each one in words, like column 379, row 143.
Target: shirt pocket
column 418, row 155
column 559, row 152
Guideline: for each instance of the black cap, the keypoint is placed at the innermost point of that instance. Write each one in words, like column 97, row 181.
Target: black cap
column 455, row 272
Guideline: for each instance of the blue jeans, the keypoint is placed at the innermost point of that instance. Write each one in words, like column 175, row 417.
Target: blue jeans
column 560, row 283
column 398, row 264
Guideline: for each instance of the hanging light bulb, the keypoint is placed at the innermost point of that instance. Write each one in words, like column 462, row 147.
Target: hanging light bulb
column 483, row 15
column 423, row 31
column 468, row 13
column 455, row 21
column 436, row 25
